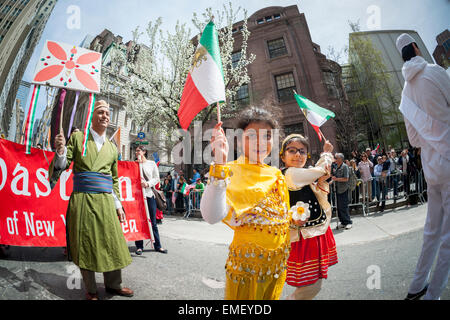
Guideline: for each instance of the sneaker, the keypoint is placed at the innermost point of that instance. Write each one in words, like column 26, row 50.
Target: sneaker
column 139, row 252
column 340, row 226
column 418, row 295
column 347, row 227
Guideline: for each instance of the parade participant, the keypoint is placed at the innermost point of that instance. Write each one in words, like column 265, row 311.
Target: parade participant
column 252, row 199
column 149, row 179
column 425, row 106
column 94, row 235
column 313, row 248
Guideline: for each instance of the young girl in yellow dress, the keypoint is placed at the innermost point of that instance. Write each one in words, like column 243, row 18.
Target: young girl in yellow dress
column 313, row 248
column 252, row 199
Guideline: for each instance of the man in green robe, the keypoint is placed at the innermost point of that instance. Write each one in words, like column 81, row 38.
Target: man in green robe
column 95, row 239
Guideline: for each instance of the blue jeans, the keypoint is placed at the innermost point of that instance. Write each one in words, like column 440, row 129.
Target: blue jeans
column 342, row 208
column 374, row 187
column 382, row 189
column 169, row 203
column 186, row 202
column 151, row 203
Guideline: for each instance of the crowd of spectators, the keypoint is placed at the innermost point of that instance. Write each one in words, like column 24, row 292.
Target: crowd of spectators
column 381, row 171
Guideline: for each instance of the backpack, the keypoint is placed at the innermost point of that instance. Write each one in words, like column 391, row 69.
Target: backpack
column 353, row 179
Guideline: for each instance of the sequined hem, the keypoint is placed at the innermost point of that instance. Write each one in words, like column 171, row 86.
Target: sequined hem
column 249, row 261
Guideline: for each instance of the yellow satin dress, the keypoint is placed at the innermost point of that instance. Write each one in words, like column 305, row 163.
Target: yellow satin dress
column 259, row 201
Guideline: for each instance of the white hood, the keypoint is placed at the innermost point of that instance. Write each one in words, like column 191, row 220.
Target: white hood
column 412, row 67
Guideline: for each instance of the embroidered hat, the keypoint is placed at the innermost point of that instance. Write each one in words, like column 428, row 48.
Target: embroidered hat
column 101, row 103
column 403, row 40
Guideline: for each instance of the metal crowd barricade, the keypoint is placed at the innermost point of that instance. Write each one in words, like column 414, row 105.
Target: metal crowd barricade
column 393, row 187
column 356, row 198
column 194, row 202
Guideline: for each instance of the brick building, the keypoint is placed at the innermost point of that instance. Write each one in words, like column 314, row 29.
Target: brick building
column 287, row 59
column 441, row 53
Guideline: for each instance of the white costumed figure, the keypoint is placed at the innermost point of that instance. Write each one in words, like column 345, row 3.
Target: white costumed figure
column 425, row 106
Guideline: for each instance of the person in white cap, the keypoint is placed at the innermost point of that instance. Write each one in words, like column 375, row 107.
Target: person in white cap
column 425, row 106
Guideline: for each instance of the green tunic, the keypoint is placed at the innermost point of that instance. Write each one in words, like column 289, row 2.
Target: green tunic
column 95, row 239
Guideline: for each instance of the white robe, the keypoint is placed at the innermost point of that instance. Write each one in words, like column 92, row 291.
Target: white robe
column 425, row 107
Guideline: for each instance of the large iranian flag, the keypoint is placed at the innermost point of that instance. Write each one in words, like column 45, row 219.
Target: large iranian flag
column 204, row 84
column 315, row 115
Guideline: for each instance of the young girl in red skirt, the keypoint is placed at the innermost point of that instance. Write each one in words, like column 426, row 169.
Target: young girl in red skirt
column 313, row 248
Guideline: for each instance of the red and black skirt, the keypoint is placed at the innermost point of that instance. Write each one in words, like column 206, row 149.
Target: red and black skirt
column 310, row 258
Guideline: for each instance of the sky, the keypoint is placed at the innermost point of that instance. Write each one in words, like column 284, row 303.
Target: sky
column 327, row 19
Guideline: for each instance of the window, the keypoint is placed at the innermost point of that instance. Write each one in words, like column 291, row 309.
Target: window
column 113, row 114
column 294, row 128
column 268, row 18
column 242, row 95
column 331, row 84
column 285, row 87
column 6, row 9
column 447, row 45
column 276, row 48
column 235, row 57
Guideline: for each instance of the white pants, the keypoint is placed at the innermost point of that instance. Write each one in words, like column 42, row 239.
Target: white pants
column 436, row 241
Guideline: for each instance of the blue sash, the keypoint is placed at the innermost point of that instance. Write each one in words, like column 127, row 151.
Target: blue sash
column 92, row 182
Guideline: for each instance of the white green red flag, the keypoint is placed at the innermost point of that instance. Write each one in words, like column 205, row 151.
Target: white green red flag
column 88, row 122
column 315, row 115
column 29, row 124
column 204, row 84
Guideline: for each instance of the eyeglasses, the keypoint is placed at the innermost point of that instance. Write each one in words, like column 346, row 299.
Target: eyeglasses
column 293, row 151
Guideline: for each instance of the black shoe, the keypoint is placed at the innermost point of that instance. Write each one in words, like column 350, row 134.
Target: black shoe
column 162, row 250
column 139, row 252
column 418, row 295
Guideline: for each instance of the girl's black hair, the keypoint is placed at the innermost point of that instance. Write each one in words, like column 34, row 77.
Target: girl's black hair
column 256, row 114
column 408, row 52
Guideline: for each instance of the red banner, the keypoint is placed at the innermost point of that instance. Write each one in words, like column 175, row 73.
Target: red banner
column 32, row 214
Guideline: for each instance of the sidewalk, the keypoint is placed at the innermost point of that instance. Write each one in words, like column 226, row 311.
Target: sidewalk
column 375, row 226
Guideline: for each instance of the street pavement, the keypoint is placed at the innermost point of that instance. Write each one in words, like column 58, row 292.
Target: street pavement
column 377, row 259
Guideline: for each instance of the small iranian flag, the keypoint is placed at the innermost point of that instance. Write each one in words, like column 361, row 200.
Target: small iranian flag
column 204, row 84
column 29, row 124
column 315, row 115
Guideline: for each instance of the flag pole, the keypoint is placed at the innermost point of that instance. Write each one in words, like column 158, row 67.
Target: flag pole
column 323, row 135
column 218, row 112
column 61, row 120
